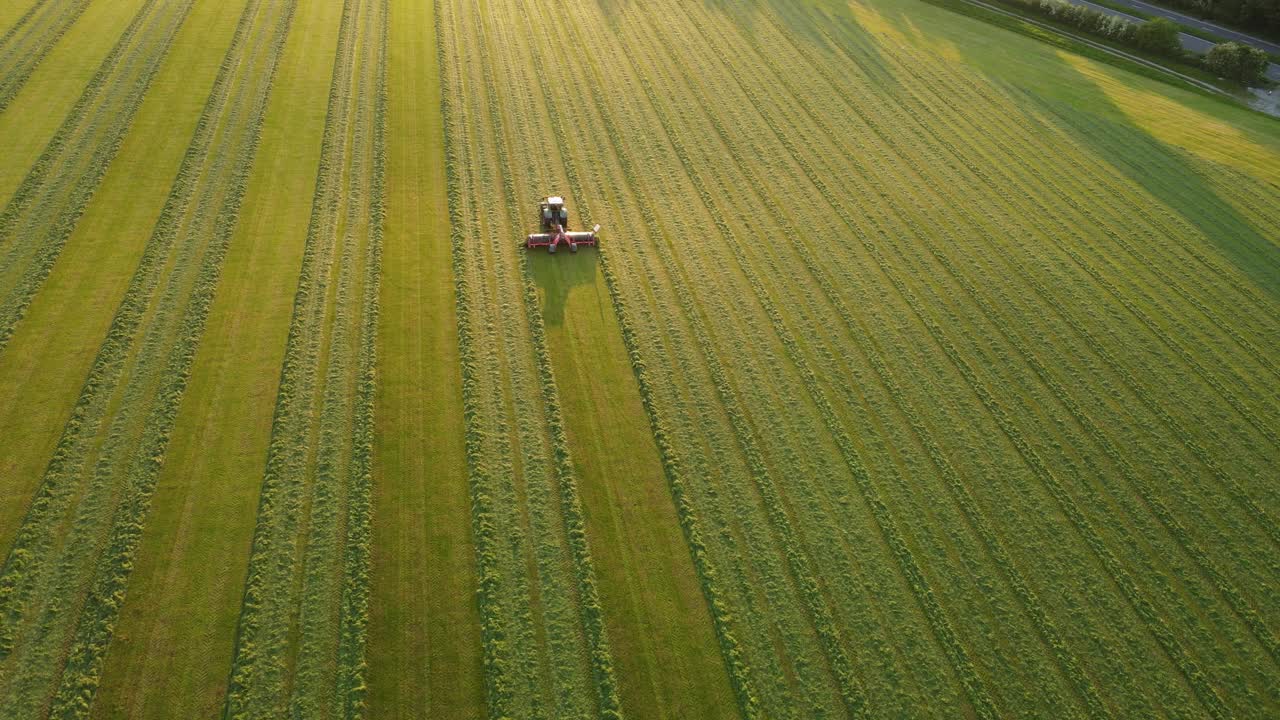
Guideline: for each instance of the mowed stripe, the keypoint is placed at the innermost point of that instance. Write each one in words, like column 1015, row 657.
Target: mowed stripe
column 43, row 211
column 546, row 653
column 41, row 106
column 24, row 45
column 666, row 650
column 172, row 650
column 301, row 634
column 424, row 633
column 44, row 367
column 66, row 574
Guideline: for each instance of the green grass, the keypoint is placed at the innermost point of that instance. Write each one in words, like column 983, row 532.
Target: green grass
column 174, row 639
column 424, row 634
column 925, row 369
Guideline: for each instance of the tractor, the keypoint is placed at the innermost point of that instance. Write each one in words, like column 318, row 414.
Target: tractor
column 553, row 220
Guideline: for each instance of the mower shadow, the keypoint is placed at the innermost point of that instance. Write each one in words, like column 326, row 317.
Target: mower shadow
column 557, row 275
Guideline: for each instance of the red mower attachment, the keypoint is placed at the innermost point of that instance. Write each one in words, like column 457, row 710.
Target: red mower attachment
column 554, row 221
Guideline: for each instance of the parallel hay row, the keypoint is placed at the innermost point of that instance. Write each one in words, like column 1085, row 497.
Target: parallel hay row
column 545, row 650
column 65, row 577
column 300, row 643
column 861, row 287
column 44, row 209
column 25, row 44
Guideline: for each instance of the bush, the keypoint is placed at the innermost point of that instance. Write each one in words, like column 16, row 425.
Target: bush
column 1237, row 61
column 1159, row 36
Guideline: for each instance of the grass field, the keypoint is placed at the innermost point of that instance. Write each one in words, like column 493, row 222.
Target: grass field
column 923, row 370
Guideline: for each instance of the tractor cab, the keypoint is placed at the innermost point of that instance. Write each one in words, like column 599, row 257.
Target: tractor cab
column 553, row 218
column 552, row 212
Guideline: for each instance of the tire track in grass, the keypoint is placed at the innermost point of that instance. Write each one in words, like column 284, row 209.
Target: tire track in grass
column 66, row 574
column 300, row 641
column 1068, row 664
column 44, row 209
column 1141, row 605
column 26, row 43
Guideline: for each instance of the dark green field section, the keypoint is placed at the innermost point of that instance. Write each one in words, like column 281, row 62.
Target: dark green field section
column 922, row 370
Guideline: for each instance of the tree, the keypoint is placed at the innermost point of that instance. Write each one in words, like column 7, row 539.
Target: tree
column 1237, row 61
column 1159, row 36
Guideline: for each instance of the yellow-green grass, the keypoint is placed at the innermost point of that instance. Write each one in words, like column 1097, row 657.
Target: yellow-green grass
column 38, row 109
column 46, row 362
column 173, row 643
column 11, row 12
column 669, row 665
column 424, row 635
column 961, row 351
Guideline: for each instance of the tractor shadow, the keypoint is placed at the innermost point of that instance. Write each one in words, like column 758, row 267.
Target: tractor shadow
column 557, row 275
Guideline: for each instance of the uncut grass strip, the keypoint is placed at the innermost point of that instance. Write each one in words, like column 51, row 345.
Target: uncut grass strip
column 1202, row 455
column 24, row 46
column 1067, row 662
column 43, row 210
column 981, row 703
column 171, row 338
column 1194, row 676
column 607, row 703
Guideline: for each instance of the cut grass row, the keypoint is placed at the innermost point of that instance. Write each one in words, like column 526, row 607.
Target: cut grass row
column 545, row 649
column 66, row 574
column 1121, row 530
column 300, row 642
column 25, row 44
column 424, row 636
column 43, row 211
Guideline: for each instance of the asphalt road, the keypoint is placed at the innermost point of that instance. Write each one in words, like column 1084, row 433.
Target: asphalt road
column 1191, row 42
column 1225, row 33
